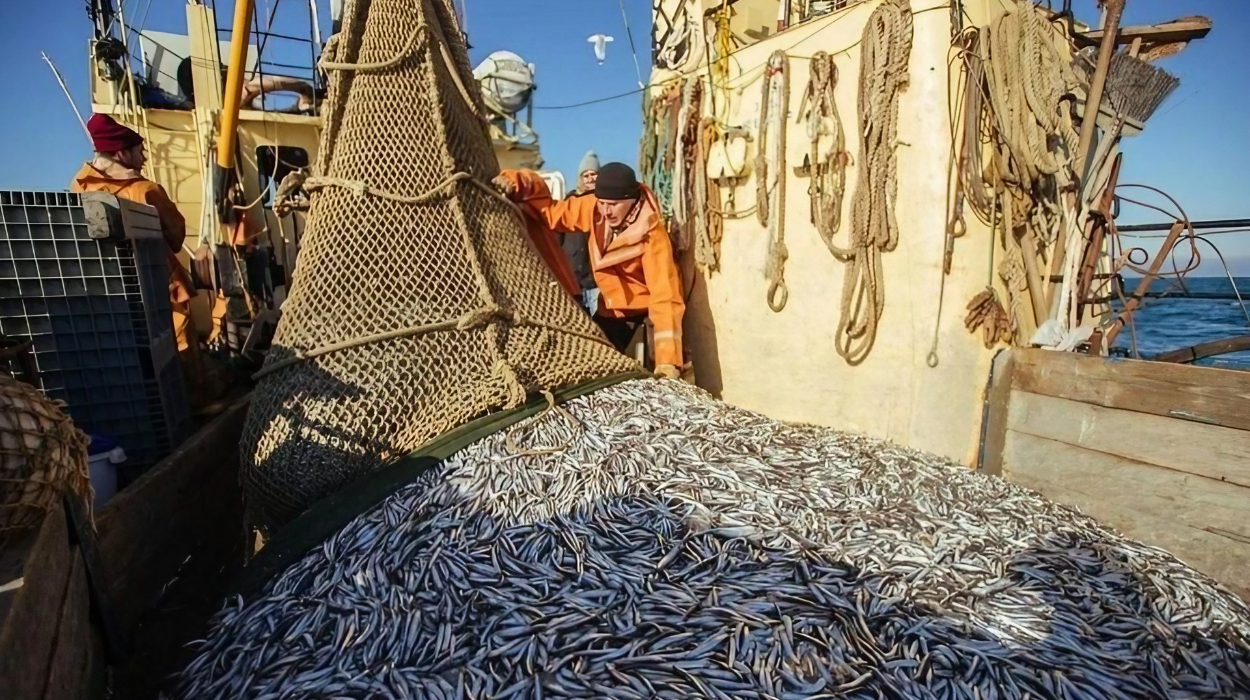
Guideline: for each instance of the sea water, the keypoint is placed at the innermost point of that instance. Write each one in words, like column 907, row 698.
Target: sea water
column 1178, row 321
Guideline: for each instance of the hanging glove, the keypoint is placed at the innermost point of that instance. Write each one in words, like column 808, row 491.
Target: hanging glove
column 668, row 371
column 504, row 185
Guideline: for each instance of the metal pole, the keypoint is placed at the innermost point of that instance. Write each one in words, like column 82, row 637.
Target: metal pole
column 1114, row 9
column 69, row 97
column 234, row 84
column 1198, row 225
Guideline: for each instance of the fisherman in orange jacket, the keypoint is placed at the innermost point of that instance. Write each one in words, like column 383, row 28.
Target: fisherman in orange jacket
column 630, row 254
column 119, row 157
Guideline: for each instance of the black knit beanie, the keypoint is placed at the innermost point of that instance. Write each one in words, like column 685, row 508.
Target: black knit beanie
column 617, row 181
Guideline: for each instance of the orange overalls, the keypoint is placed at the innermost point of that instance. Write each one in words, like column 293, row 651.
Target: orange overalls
column 128, row 184
column 634, row 268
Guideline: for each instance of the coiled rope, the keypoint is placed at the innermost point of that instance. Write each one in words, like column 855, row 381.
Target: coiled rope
column 874, row 230
column 774, row 105
column 828, row 175
column 1027, row 83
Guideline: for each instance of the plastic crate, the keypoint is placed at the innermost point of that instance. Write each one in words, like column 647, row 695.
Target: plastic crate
column 98, row 312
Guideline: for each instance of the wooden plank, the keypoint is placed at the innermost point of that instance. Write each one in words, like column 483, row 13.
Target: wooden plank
column 150, row 528
column 1200, row 521
column 43, row 560
column 1197, row 352
column 1213, row 452
column 994, row 414
column 83, row 535
column 69, row 672
column 1200, row 394
column 1162, row 33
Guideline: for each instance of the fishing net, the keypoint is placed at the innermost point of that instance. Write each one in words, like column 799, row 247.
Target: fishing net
column 683, row 548
column 42, row 456
column 418, row 302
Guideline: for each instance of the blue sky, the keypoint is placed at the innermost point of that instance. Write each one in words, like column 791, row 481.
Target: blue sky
column 1197, row 147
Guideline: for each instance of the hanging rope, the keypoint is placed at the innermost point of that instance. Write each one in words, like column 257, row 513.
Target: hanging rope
column 828, row 173
column 1027, row 81
column 659, row 146
column 971, row 163
column 882, row 75
column 684, row 174
column 774, row 105
column 709, row 234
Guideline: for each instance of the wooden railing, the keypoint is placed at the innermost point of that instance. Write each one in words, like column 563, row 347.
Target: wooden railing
column 1159, row 451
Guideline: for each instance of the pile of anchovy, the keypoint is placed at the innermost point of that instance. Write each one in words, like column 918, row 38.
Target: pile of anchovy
column 677, row 547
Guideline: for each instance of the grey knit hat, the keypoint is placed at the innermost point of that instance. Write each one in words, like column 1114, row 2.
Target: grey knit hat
column 590, row 161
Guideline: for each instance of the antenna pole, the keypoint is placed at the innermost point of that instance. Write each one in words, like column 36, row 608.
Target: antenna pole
column 632, row 49
column 61, row 82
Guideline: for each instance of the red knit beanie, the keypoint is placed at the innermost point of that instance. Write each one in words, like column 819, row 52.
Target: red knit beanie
column 107, row 136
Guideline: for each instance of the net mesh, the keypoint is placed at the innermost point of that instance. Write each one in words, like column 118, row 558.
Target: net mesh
column 419, row 303
column 42, row 455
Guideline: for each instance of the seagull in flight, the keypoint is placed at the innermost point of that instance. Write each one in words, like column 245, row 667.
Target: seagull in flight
column 601, row 46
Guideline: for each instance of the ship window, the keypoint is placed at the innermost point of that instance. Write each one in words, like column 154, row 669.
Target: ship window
column 275, row 163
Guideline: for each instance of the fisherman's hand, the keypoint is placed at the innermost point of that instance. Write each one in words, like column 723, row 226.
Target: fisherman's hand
column 504, row 185
column 668, row 371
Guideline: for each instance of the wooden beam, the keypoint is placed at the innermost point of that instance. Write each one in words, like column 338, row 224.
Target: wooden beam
column 1200, row 521
column 1203, row 350
column 994, row 414
column 172, row 512
column 37, row 566
column 70, row 671
column 1163, row 33
column 1219, row 454
column 1200, row 394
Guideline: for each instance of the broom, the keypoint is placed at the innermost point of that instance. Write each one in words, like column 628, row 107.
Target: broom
column 1134, row 87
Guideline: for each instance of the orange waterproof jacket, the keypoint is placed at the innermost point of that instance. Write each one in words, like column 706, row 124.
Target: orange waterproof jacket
column 537, row 199
column 128, row 184
column 634, row 268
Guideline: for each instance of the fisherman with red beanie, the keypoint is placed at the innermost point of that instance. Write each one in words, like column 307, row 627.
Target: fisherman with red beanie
column 119, row 158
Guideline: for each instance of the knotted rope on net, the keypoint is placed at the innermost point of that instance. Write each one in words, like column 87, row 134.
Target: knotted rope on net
column 886, row 46
column 828, row 172
column 770, row 174
column 419, row 302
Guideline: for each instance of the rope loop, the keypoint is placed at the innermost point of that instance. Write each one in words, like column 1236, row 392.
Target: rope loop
column 778, row 285
column 332, row 47
column 774, row 115
column 510, row 436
